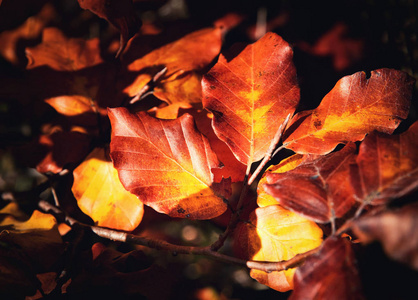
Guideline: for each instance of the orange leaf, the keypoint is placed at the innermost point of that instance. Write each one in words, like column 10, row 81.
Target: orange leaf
column 101, row 196
column 354, row 107
column 276, row 234
column 167, row 164
column 330, row 273
column 265, row 199
column 251, row 96
column 188, row 54
column 387, row 167
column 119, row 13
column 319, row 189
column 62, row 54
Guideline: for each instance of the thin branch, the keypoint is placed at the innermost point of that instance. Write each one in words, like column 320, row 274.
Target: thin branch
column 125, row 237
column 269, row 154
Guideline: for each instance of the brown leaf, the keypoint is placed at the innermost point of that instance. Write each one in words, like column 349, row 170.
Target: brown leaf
column 354, row 107
column 62, row 54
column 31, row 29
column 251, row 96
column 119, row 13
column 330, row 273
column 318, row 189
column 275, row 234
column 182, row 58
column 396, row 230
column 101, row 196
column 386, row 167
column 51, row 152
column 167, row 164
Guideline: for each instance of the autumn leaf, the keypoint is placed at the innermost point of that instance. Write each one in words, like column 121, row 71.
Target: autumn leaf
column 276, row 234
column 167, row 164
column 318, row 189
column 396, row 230
column 354, row 107
column 62, row 54
column 28, row 246
column 182, row 58
column 31, row 29
column 251, row 95
column 386, row 167
column 330, row 273
column 79, row 85
column 52, row 151
column 264, row 198
column 119, row 13
column 101, row 196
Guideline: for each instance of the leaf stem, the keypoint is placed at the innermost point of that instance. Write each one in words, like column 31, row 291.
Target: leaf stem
column 269, row 154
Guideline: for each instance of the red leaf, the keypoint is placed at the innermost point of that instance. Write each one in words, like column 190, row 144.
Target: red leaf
column 330, row 273
column 387, row 166
column 167, row 164
column 119, row 13
column 251, row 96
column 396, row 230
column 318, row 189
column 354, row 107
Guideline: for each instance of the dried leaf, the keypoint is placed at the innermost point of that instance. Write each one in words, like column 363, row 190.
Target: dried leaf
column 63, row 54
column 167, row 164
column 265, row 199
column 396, row 230
column 275, row 234
column 318, row 189
column 52, row 152
column 101, row 196
column 251, row 96
column 354, row 107
column 330, row 273
column 387, row 167
column 182, row 58
column 119, row 13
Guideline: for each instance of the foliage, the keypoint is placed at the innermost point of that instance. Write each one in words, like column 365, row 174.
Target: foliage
column 145, row 142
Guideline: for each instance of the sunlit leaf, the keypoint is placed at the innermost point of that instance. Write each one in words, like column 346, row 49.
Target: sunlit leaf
column 330, row 273
column 167, row 164
column 265, row 199
column 396, row 230
column 318, row 189
column 251, row 95
column 354, row 107
column 275, row 234
column 119, row 13
column 387, row 167
column 182, row 58
column 101, row 196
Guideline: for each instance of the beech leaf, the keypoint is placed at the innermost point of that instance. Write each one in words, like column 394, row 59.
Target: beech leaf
column 354, row 107
column 182, row 59
column 275, row 234
column 251, row 95
column 386, row 167
column 396, row 230
column 330, row 273
column 318, row 189
column 119, row 13
column 167, row 164
column 101, row 196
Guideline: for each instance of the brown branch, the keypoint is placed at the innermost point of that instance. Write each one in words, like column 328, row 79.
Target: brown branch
column 125, row 237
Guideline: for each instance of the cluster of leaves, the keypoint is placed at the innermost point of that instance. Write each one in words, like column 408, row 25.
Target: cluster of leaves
column 193, row 133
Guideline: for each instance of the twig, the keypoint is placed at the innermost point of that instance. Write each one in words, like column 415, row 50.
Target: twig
column 268, row 155
column 144, row 91
column 176, row 249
